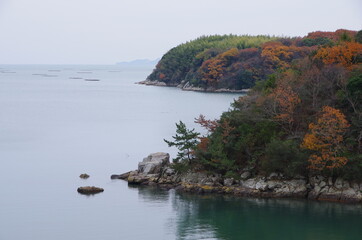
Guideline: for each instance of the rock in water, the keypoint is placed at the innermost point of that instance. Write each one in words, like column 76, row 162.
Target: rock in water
column 89, row 190
column 84, row 176
column 154, row 163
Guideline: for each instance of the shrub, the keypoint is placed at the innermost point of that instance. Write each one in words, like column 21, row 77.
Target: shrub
column 284, row 157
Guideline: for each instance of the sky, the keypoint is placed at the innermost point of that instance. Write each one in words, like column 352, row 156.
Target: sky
column 110, row 31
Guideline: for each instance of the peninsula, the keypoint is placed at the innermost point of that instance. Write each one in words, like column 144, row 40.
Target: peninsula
column 297, row 132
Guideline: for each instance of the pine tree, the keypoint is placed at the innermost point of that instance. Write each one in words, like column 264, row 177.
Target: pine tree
column 186, row 141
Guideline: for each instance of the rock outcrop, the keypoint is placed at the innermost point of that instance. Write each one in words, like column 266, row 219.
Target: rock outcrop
column 153, row 163
column 338, row 190
column 155, row 170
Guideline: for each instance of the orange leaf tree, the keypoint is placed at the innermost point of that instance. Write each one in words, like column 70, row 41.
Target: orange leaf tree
column 279, row 55
column 345, row 54
column 284, row 100
column 212, row 70
column 326, row 139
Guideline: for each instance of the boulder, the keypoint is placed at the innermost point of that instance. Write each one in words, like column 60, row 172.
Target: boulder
column 169, row 171
column 192, row 177
column 84, row 176
column 245, row 175
column 134, row 177
column 250, row 183
column 272, row 184
column 330, row 181
column 154, row 163
column 273, row 176
column 314, row 193
column 330, row 194
column 228, row 181
column 355, row 186
column 322, row 184
column 338, row 183
column 315, row 180
column 346, row 184
column 88, row 190
column 261, row 185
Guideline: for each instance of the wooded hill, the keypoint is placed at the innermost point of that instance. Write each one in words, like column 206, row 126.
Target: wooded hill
column 303, row 116
column 237, row 62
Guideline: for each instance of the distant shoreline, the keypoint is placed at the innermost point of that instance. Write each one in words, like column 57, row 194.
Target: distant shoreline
column 188, row 87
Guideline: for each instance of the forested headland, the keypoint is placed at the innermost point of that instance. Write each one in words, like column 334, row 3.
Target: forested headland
column 303, row 115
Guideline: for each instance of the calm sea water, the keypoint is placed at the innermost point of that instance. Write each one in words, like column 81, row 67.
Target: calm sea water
column 54, row 126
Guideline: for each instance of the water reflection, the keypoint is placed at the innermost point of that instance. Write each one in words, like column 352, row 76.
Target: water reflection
column 225, row 217
column 151, row 194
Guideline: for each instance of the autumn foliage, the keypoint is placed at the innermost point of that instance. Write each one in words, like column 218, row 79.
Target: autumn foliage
column 335, row 36
column 278, row 55
column 345, row 54
column 303, row 114
column 209, row 125
column 325, row 138
column 285, row 100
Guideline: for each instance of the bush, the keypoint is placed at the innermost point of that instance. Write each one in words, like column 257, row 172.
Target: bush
column 284, row 157
column 353, row 169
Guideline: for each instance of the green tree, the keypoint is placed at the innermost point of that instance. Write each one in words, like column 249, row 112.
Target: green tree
column 186, row 141
column 359, row 36
column 284, row 157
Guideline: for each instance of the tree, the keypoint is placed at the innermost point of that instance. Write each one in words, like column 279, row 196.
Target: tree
column 186, row 141
column 212, row 70
column 209, row 125
column 345, row 54
column 326, row 140
column 278, row 55
column 285, row 101
column 359, row 36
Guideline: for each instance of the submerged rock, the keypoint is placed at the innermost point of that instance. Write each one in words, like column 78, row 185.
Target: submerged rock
column 84, row 176
column 88, row 190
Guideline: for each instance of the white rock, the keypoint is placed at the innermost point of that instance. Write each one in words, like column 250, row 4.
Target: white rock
column 330, row 181
column 261, row 185
column 338, row 183
column 228, row 181
column 355, row 186
column 322, row 184
column 154, row 163
column 346, row 184
column 250, row 183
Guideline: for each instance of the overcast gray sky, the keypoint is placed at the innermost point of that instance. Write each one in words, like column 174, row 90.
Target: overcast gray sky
column 109, row 31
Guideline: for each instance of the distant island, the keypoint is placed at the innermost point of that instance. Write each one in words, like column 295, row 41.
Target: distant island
column 302, row 118
column 232, row 62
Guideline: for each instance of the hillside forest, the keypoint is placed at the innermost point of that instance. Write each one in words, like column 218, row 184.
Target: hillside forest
column 302, row 116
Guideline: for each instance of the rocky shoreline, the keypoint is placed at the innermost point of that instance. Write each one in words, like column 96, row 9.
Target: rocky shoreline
column 156, row 170
column 186, row 86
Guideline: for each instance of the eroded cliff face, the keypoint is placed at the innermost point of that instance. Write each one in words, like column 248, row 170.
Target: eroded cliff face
column 156, row 170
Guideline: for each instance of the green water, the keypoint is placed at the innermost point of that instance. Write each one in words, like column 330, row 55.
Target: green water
column 225, row 217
